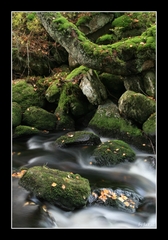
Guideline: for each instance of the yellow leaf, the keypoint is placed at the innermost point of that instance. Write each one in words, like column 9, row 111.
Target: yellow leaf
column 53, row 184
column 126, row 204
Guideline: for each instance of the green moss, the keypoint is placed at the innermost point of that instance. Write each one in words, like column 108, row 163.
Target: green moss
column 52, row 93
column 16, row 114
column 85, row 19
column 123, row 21
column 130, row 20
column 64, row 189
column 149, row 127
column 23, row 130
column 113, row 152
column 39, row 118
column 25, row 95
column 137, row 43
column 78, row 137
column 118, row 126
column 76, row 72
column 31, row 16
column 107, row 38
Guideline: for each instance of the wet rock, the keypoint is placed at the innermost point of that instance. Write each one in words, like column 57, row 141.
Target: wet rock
column 112, row 152
column 64, row 189
column 78, row 138
column 127, row 201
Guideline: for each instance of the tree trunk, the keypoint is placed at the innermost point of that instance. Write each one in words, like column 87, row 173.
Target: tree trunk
column 121, row 58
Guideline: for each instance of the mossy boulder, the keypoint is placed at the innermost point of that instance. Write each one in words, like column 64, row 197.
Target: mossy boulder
column 64, row 189
column 112, row 152
column 78, row 138
column 52, row 93
column 16, row 114
column 24, row 94
column 71, row 105
column 22, row 130
column 149, row 127
column 39, row 118
column 107, row 122
column 136, row 106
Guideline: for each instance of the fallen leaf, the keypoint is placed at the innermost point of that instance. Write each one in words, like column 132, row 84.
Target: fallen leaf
column 53, row 184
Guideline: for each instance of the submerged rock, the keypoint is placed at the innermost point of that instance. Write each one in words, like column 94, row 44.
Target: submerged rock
column 124, row 200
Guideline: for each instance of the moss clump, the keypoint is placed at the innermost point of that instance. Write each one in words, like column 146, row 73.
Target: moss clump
column 76, row 72
column 133, row 20
column 106, row 39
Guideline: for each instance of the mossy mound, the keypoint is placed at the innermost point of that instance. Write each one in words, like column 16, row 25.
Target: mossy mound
column 39, row 118
column 65, row 189
column 22, row 130
column 112, row 153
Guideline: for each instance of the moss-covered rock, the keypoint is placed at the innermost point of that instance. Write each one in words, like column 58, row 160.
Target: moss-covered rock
column 113, row 152
column 149, row 127
column 77, row 71
column 22, row 130
column 39, row 118
column 64, row 189
column 16, row 114
column 132, row 24
column 108, row 122
column 25, row 95
column 136, row 106
column 78, row 138
column 52, row 93
column 65, row 122
column 71, row 105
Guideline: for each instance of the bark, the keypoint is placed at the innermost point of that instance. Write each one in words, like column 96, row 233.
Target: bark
column 109, row 58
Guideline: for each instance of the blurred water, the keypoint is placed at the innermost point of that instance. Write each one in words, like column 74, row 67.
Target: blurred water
column 138, row 176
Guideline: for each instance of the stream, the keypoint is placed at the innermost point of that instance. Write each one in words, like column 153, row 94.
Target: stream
column 138, row 176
